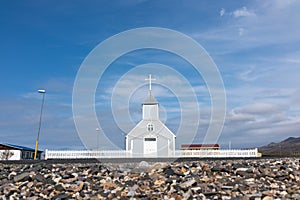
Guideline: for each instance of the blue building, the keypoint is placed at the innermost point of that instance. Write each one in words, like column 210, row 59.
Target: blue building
column 17, row 152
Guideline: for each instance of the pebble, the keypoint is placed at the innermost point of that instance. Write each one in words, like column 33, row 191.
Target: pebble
column 40, row 178
column 188, row 183
column 144, row 164
column 265, row 179
column 22, row 177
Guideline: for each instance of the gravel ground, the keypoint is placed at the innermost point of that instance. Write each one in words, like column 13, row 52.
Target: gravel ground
column 274, row 178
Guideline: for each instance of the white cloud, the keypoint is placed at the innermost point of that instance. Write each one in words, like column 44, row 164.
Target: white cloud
column 258, row 28
column 250, row 74
column 243, row 12
column 32, row 95
column 222, row 12
column 258, row 124
column 279, row 4
column 239, row 117
column 241, row 31
column 261, row 109
column 293, row 60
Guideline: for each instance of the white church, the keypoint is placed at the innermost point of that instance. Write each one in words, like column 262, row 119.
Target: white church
column 150, row 137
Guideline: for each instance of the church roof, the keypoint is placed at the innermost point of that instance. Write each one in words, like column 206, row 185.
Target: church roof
column 150, row 99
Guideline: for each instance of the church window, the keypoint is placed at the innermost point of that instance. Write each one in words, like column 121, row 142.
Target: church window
column 150, row 127
column 150, row 139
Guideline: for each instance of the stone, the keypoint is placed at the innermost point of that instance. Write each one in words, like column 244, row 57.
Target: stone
column 283, row 193
column 188, row 183
column 169, row 171
column 59, row 187
column 274, row 186
column 12, row 174
column 29, row 184
column 73, row 188
column 143, row 164
column 296, row 196
column 226, row 187
column 62, row 196
column 82, row 186
column 244, row 169
column 206, row 169
column 36, row 168
column 268, row 198
column 33, row 198
column 183, row 170
column 158, row 182
column 56, row 179
column 196, row 190
column 9, row 190
column 243, row 173
column 267, row 193
column 40, row 178
column 22, row 177
column 291, row 176
column 108, row 185
column 206, row 179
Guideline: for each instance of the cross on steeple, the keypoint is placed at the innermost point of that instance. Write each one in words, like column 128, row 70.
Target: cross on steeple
column 150, row 81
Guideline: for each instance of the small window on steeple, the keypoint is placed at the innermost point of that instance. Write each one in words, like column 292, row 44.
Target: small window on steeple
column 150, row 127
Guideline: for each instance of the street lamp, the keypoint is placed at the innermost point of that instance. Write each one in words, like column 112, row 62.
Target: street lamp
column 97, row 131
column 40, row 122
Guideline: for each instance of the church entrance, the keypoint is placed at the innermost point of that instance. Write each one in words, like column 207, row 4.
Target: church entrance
column 150, row 147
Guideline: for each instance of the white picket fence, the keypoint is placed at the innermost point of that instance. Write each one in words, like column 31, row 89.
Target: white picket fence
column 76, row 154
column 224, row 153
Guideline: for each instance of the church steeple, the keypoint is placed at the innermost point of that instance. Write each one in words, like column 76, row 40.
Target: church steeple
column 150, row 104
column 150, row 100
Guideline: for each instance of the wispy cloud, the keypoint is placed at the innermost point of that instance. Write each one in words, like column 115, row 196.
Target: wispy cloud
column 243, row 12
column 222, row 12
column 261, row 109
column 251, row 74
column 256, row 25
column 257, row 122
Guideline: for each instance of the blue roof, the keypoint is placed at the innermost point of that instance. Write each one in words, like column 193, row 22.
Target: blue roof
column 20, row 147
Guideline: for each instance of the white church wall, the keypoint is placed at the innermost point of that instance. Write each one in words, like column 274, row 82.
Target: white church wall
column 138, row 147
column 163, row 149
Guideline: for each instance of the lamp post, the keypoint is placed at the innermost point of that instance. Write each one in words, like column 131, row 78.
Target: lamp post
column 97, row 131
column 40, row 122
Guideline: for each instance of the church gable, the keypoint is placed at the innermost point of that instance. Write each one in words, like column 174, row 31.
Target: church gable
column 146, row 127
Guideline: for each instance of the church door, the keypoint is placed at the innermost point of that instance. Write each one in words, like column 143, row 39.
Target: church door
column 150, row 147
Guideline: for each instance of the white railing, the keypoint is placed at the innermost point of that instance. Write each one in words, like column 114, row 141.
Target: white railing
column 74, row 154
column 71, row 154
column 227, row 153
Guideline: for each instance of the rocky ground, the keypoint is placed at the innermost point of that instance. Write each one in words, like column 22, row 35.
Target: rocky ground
column 212, row 179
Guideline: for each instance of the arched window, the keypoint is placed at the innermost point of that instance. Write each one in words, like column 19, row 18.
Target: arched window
column 150, row 127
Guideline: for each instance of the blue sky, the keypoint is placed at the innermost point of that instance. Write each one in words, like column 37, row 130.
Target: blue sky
column 254, row 44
